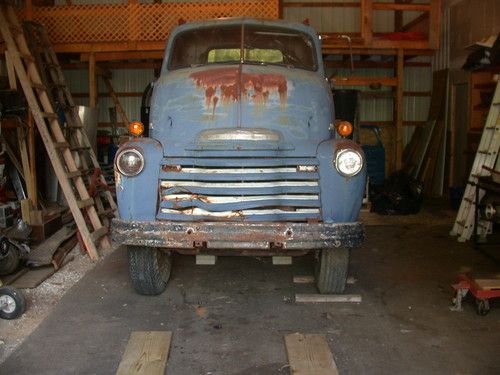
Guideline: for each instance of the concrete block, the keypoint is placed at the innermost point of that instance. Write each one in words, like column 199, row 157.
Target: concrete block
column 206, row 260
column 282, row 261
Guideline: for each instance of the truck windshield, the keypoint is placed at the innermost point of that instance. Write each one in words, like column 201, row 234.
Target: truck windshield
column 259, row 45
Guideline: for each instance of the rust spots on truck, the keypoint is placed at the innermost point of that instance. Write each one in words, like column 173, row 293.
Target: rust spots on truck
column 171, row 168
column 228, row 85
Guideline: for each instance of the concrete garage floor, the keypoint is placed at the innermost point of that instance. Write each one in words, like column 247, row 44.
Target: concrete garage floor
column 231, row 318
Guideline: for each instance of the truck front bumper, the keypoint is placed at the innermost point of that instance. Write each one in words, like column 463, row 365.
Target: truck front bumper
column 245, row 237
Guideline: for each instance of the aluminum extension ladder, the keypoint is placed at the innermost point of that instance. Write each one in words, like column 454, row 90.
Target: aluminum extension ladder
column 486, row 158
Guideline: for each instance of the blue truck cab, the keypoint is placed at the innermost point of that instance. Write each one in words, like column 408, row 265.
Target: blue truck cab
column 243, row 156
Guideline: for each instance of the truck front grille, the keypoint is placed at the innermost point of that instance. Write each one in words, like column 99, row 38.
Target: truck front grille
column 255, row 189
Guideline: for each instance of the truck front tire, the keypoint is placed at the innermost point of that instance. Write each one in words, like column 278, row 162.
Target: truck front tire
column 149, row 269
column 331, row 270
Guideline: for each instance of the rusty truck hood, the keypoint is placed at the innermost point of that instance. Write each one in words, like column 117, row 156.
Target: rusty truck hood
column 248, row 108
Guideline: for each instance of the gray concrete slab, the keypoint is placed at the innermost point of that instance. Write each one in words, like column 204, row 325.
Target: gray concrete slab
column 231, row 318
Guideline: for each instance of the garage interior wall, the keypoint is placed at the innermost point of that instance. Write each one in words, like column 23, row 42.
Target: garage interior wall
column 470, row 21
column 322, row 19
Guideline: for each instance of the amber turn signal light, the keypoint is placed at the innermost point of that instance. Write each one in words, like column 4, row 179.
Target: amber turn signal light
column 136, row 128
column 344, row 128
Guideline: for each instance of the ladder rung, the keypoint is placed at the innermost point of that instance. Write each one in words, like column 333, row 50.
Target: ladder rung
column 86, row 203
column 16, row 29
column 73, row 127
column 61, row 145
column 102, row 231
column 461, row 223
column 471, row 201
column 26, row 56
column 105, row 212
column 77, row 173
column 51, row 65
column 38, row 86
column 50, row 116
column 483, row 152
column 80, row 148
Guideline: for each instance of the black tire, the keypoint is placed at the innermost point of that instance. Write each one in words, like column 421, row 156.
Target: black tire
column 331, row 270
column 482, row 307
column 149, row 269
column 12, row 303
column 10, row 262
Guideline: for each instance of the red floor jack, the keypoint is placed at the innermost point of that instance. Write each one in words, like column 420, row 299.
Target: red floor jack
column 482, row 288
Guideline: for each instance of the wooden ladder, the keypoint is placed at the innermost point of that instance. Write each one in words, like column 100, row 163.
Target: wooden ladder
column 486, row 158
column 116, row 101
column 66, row 141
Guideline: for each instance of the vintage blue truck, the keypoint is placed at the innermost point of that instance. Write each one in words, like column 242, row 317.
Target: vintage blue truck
column 243, row 156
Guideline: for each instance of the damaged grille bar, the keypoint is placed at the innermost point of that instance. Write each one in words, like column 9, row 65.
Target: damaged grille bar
column 243, row 175
column 237, row 205
column 247, row 215
column 238, row 163
column 254, row 189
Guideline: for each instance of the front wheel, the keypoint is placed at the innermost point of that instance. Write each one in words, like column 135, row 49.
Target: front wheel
column 331, row 270
column 149, row 269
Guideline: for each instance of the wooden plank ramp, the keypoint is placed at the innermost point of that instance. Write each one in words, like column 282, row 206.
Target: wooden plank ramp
column 309, row 355
column 146, row 353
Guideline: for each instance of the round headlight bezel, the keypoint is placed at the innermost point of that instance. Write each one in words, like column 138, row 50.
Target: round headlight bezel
column 342, row 152
column 134, row 151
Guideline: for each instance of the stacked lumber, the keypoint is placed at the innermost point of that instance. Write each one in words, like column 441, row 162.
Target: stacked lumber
column 424, row 156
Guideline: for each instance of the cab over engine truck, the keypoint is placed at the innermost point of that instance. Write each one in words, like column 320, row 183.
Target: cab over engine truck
column 243, row 156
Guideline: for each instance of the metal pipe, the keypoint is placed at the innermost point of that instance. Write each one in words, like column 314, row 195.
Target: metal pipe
column 349, row 40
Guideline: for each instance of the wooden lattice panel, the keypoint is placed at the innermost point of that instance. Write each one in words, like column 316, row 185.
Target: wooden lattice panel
column 139, row 22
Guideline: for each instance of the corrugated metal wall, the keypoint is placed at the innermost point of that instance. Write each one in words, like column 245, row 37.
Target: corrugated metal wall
column 124, row 80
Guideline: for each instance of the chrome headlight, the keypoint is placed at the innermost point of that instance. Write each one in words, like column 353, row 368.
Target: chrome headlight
column 348, row 162
column 129, row 162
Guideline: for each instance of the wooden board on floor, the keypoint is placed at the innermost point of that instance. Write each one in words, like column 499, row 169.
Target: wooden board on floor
column 327, row 298
column 309, row 279
column 43, row 253
column 35, row 276
column 309, row 355
column 306, row 279
column 146, row 353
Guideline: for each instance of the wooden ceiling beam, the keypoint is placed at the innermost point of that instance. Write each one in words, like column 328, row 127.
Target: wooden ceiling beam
column 363, row 81
column 402, row 7
column 373, row 64
column 156, row 64
column 318, row 4
column 376, row 52
column 124, row 55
